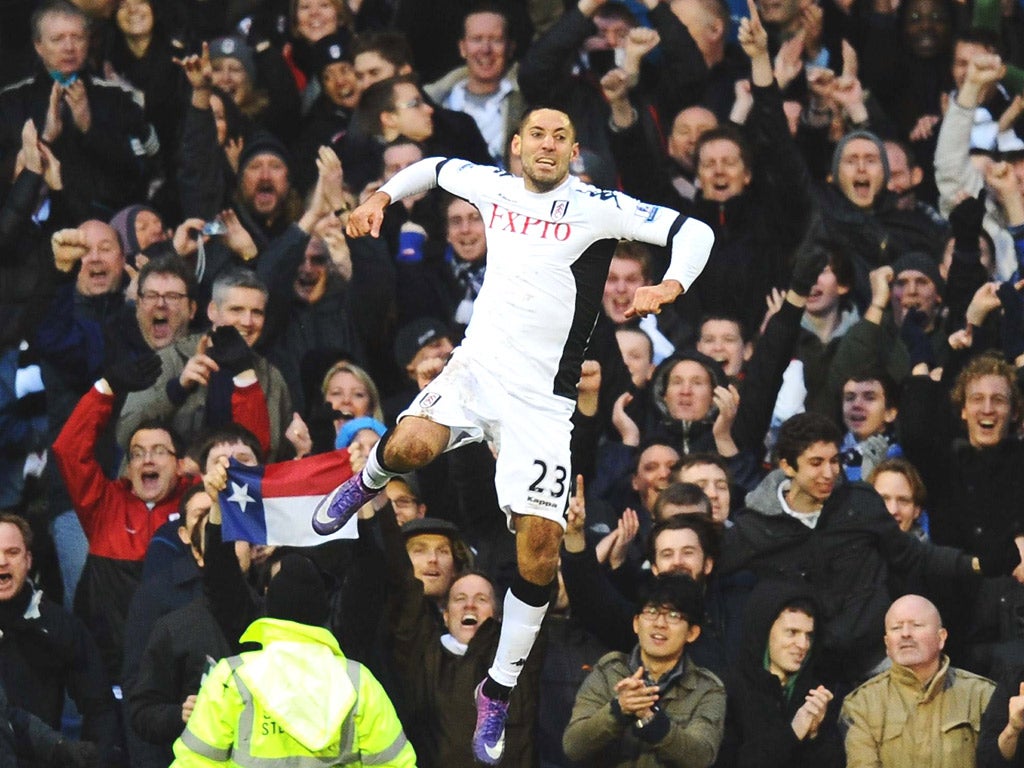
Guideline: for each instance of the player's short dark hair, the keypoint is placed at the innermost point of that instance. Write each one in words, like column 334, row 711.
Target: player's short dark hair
column 537, row 108
column 800, row 432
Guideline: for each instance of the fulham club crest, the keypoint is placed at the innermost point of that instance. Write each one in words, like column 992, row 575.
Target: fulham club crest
column 558, row 209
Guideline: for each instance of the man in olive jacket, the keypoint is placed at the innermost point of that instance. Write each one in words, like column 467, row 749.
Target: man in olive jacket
column 653, row 706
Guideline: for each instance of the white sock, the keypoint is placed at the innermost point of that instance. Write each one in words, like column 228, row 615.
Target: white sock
column 520, row 625
column 374, row 475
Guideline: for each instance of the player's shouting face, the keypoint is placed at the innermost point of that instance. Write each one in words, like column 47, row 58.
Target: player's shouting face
column 546, row 143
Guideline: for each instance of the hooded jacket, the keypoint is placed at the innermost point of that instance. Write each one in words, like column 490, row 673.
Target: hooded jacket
column 760, row 711
column 689, row 436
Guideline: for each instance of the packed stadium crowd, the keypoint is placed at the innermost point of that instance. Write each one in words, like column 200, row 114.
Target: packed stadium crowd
column 524, row 382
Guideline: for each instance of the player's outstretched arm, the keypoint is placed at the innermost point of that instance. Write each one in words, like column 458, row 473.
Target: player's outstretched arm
column 419, row 177
column 691, row 241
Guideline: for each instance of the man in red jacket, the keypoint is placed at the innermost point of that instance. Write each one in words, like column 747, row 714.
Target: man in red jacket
column 118, row 516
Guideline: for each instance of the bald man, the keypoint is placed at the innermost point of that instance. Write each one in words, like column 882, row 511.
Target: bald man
column 921, row 712
column 88, row 299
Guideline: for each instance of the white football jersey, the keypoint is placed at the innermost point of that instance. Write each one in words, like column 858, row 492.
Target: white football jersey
column 547, row 261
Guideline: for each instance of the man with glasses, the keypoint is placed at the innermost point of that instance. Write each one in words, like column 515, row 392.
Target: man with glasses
column 119, row 516
column 653, row 703
column 165, row 304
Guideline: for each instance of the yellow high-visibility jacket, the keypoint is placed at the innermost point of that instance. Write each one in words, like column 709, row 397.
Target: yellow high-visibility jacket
column 298, row 702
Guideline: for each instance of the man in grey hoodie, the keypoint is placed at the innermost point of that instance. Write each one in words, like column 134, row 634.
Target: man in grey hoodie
column 802, row 524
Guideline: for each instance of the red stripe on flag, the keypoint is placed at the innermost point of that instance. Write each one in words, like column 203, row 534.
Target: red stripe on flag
column 312, row 476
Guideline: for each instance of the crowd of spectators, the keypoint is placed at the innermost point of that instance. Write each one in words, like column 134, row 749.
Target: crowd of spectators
column 796, row 528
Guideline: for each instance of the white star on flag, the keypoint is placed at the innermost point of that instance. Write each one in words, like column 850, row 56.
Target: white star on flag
column 240, row 495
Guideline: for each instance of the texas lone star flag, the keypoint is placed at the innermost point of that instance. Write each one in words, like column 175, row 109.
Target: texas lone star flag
column 274, row 503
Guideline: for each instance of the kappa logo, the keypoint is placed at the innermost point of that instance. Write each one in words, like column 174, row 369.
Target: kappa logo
column 537, row 502
column 429, row 399
column 559, row 208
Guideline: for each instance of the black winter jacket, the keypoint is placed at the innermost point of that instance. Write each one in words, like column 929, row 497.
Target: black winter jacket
column 846, row 559
column 758, row 731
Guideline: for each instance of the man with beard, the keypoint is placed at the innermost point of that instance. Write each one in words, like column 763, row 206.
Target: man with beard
column 266, row 201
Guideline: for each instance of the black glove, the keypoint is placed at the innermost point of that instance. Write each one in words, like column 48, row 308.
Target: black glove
column 229, row 350
column 965, row 220
column 75, row 754
column 321, row 426
column 1013, row 320
column 1002, row 562
column 808, row 265
column 126, row 375
column 916, row 340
